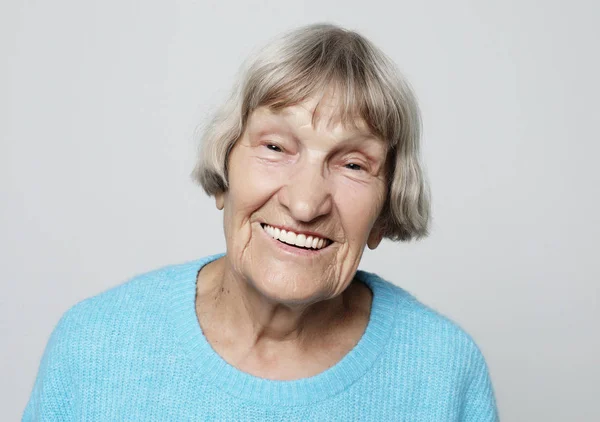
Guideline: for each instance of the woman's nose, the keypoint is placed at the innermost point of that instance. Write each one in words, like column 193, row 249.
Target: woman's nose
column 306, row 194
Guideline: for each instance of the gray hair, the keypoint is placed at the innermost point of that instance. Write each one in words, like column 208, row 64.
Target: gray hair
column 305, row 62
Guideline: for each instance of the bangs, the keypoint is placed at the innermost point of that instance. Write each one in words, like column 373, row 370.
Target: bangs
column 338, row 69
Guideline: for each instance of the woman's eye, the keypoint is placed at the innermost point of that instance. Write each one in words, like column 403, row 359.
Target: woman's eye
column 274, row 148
column 353, row 166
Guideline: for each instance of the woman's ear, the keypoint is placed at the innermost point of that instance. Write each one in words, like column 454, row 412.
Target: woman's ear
column 375, row 237
column 220, row 200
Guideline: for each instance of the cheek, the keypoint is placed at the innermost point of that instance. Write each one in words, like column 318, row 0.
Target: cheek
column 359, row 206
column 252, row 184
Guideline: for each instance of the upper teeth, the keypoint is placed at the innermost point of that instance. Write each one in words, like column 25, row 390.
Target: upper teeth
column 292, row 238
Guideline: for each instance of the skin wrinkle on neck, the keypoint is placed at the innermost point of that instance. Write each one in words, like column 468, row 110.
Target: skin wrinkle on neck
column 243, row 327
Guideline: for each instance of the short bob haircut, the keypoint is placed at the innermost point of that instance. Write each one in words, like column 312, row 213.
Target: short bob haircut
column 307, row 62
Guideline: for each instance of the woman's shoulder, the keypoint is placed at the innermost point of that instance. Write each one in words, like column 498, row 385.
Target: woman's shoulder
column 108, row 333
column 140, row 303
column 431, row 355
column 145, row 289
column 417, row 326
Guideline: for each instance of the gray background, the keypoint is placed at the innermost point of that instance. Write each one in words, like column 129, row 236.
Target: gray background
column 99, row 102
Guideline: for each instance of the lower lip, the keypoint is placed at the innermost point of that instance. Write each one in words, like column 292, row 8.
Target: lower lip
column 292, row 249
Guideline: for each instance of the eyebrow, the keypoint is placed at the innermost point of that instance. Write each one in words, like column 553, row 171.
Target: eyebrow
column 352, row 138
column 351, row 135
column 364, row 136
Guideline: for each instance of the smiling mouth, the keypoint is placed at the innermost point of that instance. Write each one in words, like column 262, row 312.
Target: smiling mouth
column 298, row 240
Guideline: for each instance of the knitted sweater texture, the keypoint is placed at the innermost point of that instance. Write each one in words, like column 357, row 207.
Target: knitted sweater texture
column 137, row 353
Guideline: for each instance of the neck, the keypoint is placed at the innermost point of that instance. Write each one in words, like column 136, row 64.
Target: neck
column 234, row 308
column 274, row 340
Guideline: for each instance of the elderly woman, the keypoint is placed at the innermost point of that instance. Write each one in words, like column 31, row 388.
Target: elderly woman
column 314, row 157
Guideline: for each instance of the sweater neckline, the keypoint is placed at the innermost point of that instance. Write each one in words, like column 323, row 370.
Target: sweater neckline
column 224, row 376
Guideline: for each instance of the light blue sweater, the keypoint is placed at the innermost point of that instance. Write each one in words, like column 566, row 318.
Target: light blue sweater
column 137, row 353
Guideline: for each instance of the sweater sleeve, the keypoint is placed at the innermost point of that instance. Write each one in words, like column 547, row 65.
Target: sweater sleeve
column 52, row 394
column 479, row 401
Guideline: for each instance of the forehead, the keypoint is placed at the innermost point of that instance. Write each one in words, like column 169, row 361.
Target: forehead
column 324, row 113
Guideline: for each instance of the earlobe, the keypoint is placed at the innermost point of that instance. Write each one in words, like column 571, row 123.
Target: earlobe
column 374, row 238
column 220, row 200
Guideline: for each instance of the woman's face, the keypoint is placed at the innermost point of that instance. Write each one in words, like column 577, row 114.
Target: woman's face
column 324, row 183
